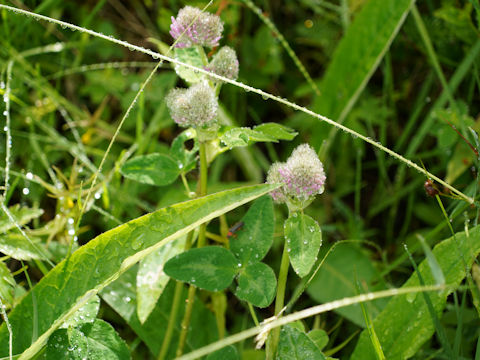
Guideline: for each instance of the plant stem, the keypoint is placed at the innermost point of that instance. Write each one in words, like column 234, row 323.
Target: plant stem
column 203, row 169
column 186, row 319
column 171, row 320
column 201, row 242
column 272, row 340
column 175, row 306
column 254, row 316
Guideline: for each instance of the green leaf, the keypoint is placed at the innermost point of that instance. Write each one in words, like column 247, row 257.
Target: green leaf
column 433, row 263
column 152, row 169
column 121, row 296
column 319, row 337
column 95, row 341
column 191, row 56
column 22, row 215
column 257, row 284
column 104, row 342
column 226, row 353
column 211, row 268
column 277, row 131
column 304, row 238
column 336, row 280
column 296, row 345
column 405, row 323
column 252, row 354
column 252, row 242
column 356, row 57
column 18, row 247
column 68, row 344
column 86, row 314
column 243, row 136
column 7, row 285
column 186, row 159
column 73, row 282
column 151, row 279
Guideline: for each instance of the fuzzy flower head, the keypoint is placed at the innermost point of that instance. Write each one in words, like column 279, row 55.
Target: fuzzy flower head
column 302, row 176
column 194, row 27
column 224, row 63
column 193, row 107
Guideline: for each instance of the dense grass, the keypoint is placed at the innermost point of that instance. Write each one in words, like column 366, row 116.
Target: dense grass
column 403, row 78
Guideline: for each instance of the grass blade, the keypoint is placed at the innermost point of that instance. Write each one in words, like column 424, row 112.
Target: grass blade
column 75, row 280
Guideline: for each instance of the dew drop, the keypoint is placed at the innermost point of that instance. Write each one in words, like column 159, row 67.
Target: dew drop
column 29, row 176
column 26, row 191
column 411, row 297
column 137, row 243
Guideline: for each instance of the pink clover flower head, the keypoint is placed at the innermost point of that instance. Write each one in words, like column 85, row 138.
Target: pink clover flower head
column 193, row 107
column 224, row 63
column 302, row 176
column 274, row 176
column 194, row 27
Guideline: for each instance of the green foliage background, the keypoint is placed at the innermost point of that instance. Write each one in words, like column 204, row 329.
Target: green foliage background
column 409, row 82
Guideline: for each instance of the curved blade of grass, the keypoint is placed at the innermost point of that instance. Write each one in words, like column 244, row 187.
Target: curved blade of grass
column 267, row 326
column 454, row 272
column 405, row 323
column 75, row 280
column 440, row 330
column 355, row 60
column 262, row 93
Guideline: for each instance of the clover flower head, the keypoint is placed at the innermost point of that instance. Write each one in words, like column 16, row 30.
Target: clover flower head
column 274, row 177
column 224, row 63
column 193, row 107
column 194, row 27
column 302, row 176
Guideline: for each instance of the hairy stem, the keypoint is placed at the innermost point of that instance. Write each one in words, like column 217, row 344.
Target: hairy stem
column 175, row 306
column 272, row 341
